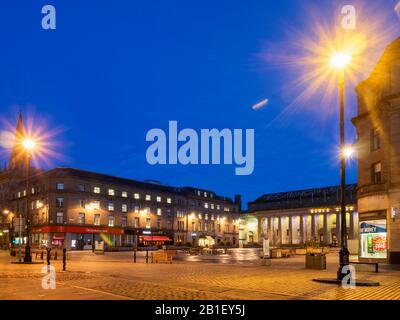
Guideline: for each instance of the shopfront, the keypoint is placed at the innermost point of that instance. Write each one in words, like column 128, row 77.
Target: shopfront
column 76, row 237
column 373, row 240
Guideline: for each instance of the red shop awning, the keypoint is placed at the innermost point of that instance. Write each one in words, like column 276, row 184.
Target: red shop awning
column 156, row 238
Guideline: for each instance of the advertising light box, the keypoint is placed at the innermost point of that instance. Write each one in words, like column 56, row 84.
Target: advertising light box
column 373, row 241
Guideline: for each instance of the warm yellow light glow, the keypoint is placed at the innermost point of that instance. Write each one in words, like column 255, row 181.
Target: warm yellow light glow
column 28, row 144
column 348, row 152
column 340, row 60
column 6, row 211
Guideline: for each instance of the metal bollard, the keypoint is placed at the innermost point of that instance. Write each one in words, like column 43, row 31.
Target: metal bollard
column 48, row 255
column 134, row 255
column 147, row 256
column 64, row 259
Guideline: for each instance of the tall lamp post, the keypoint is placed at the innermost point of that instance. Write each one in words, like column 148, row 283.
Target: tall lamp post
column 28, row 146
column 339, row 61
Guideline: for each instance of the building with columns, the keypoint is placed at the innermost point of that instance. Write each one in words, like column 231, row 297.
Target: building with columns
column 378, row 144
column 300, row 217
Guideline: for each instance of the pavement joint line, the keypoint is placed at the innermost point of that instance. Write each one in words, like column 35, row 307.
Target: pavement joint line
column 100, row 291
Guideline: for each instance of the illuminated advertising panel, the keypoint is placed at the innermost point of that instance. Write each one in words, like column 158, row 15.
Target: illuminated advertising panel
column 373, row 241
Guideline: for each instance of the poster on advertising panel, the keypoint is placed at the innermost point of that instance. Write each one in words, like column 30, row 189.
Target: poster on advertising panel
column 373, row 239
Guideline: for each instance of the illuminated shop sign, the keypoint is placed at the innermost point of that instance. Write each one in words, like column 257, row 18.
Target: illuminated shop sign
column 373, row 239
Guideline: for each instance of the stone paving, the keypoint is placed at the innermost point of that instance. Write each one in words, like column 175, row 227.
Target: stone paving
column 117, row 277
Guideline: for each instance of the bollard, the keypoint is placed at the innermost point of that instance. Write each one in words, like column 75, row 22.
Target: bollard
column 41, row 255
column 64, row 259
column 55, row 255
column 48, row 255
column 134, row 255
column 147, row 256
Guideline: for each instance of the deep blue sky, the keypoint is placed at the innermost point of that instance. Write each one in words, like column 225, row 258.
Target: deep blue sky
column 115, row 69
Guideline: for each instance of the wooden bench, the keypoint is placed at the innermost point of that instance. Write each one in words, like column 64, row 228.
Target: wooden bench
column 375, row 264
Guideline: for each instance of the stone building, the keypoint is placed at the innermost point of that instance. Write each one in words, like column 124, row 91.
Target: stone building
column 74, row 208
column 299, row 217
column 378, row 143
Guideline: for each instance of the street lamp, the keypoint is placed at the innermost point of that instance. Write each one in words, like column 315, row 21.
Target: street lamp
column 339, row 61
column 29, row 146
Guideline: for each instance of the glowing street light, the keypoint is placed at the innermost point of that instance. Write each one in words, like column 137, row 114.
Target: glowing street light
column 28, row 144
column 340, row 60
column 348, row 152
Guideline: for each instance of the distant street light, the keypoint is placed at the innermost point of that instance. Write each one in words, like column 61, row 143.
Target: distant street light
column 29, row 146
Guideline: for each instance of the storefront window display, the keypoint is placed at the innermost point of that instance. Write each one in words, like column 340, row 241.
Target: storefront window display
column 373, row 239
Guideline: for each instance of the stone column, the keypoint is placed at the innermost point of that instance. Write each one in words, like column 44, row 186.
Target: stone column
column 280, row 230
column 312, row 227
column 352, row 235
column 326, row 228
column 338, row 228
column 270, row 230
column 290, row 226
column 302, row 230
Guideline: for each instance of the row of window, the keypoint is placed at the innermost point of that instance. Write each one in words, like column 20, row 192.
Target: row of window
column 111, row 192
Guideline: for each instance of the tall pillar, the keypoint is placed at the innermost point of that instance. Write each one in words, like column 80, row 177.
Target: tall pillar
column 290, row 226
column 312, row 227
column 280, row 230
column 302, row 230
column 338, row 229
column 326, row 240
column 270, row 229
column 352, row 235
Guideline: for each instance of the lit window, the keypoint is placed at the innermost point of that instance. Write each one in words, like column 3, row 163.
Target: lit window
column 137, row 208
column 96, row 220
column 158, row 199
column 111, row 220
column 218, row 207
column 59, row 202
column 226, row 209
column 148, row 197
column 111, row 192
column 81, row 218
column 24, row 193
column 136, row 196
column 60, row 217
column 124, row 208
column 212, row 206
column 206, row 216
column 33, row 191
column 205, row 194
column 148, row 223
column 169, row 200
column 124, row 194
column 96, row 190
column 110, row 206
column 124, row 221
column 199, row 215
column 96, row 205
column 60, row 186
column 19, row 194
column 206, row 205
column 159, row 211
column 376, row 172
column 136, row 223
column 212, row 217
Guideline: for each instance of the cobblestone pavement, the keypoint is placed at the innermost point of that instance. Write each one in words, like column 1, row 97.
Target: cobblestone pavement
column 114, row 277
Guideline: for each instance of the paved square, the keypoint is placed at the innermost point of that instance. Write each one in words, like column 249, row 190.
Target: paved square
column 115, row 276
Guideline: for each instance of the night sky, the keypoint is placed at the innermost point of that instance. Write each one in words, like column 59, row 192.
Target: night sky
column 112, row 70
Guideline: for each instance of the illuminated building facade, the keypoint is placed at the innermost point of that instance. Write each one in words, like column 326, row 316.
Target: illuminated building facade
column 378, row 144
column 301, row 217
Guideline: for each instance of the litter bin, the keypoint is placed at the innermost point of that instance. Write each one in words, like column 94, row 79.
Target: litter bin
column 316, row 261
